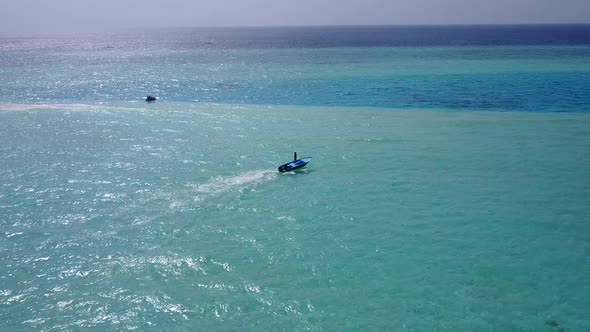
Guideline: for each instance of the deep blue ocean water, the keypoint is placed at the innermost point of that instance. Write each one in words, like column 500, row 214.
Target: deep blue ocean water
column 448, row 190
column 507, row 68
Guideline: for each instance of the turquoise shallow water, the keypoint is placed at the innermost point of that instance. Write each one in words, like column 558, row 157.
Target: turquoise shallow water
column 448, row 189
column 171, row 216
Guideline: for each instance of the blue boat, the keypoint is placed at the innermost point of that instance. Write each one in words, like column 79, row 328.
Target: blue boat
column 299, row 163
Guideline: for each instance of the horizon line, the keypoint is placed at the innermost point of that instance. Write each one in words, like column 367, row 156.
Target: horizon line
column 123, row 29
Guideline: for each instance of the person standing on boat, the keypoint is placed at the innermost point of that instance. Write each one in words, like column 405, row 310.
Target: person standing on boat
column 294, row 156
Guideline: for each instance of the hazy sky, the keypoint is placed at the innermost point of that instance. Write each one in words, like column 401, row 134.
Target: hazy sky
column 35, row 16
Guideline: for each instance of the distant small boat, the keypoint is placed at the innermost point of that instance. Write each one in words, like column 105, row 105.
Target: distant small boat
column 299, row 163
column 150, row 99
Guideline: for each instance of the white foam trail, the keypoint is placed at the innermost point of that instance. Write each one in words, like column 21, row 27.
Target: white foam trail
column 219, row 185
column 195, row 192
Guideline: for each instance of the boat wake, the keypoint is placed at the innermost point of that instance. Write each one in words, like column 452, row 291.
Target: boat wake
column 220, row 185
